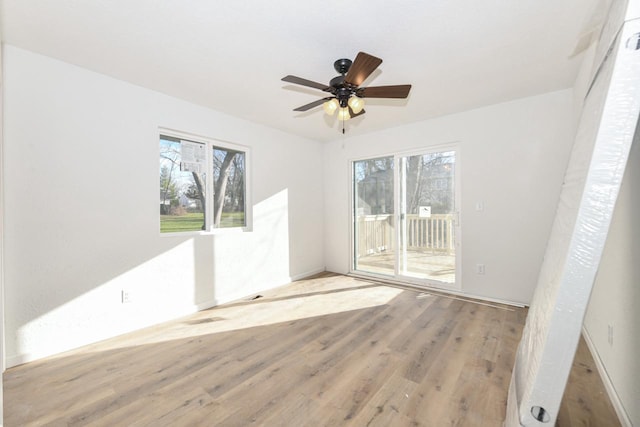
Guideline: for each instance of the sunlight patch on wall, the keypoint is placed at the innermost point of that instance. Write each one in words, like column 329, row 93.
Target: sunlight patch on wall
column 160, row 288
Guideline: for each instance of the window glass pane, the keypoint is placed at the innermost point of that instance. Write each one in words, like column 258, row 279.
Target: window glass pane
column 182, row 185
column 430, row 182
column 228, row 188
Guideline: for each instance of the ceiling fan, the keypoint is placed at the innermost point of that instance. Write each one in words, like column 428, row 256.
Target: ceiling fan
column 346, row 94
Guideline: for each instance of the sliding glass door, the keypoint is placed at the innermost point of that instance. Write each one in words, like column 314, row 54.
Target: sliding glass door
column 405, row 219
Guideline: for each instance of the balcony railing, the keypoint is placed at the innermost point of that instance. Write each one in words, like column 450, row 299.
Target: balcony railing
column 433, row 234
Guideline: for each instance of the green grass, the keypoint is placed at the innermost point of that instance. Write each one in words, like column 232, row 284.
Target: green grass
column 232, row 219
column 178, row 223
column 194, row 221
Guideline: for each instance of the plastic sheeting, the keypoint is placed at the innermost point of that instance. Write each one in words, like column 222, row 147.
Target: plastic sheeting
column 587, row 200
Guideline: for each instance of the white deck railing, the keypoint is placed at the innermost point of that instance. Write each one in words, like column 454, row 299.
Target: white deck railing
column 374, row 233
column 433, row 234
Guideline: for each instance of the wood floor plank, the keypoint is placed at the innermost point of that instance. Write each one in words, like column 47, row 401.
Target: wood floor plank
column 585, row 402
column 326, row 351
column 387, row 406
column 443, row 377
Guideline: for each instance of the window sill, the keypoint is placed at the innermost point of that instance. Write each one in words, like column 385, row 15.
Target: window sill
column 212, row 232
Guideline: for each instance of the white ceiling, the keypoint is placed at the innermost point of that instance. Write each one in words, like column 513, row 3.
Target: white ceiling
column 231, row 55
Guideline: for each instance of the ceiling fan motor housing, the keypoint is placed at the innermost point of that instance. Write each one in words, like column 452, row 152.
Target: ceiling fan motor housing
column 337, row 82
column 341, row 90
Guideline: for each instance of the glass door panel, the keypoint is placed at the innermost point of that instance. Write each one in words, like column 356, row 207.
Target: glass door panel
column 427, row 217
column 374, row 220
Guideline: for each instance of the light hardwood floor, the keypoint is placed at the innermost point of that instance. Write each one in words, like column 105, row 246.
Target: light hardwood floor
column 327, row 351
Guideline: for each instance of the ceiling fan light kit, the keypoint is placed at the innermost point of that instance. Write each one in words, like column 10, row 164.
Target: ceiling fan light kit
column 343, row 114
column 331, row 106
column 346, row 94
column 356, row 103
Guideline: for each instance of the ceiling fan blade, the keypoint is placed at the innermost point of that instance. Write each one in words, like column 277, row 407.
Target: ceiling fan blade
column 361, row 68
column 305, row 82
column 312, row 104
column 397, row 91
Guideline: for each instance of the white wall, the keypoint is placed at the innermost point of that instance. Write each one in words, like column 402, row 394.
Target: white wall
column 81, row 210
column 2, row 357
column 616, row 295
column 512, row 158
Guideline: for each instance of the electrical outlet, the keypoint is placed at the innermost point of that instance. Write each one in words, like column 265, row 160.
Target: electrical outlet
column 610, row 334
column 479, row 268
column 126, row 296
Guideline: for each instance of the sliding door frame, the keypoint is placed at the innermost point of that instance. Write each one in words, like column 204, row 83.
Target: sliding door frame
column 397, row 277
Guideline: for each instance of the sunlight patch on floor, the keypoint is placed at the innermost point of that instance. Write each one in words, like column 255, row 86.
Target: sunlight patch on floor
column 261, row 312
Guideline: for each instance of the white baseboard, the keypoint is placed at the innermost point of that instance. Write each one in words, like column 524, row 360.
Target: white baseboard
column 205, row 305
column 22, row 358
column 307, row 274
column 283, row 281
column 18, row 359
column 441, row 289
column 608, row 385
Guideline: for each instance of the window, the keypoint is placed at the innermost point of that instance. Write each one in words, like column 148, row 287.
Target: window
column 203, row 184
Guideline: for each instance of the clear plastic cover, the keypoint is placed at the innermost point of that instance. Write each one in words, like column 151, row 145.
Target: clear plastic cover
column 587, row 200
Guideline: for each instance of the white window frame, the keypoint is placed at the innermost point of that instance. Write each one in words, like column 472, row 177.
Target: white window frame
column 212, row 143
